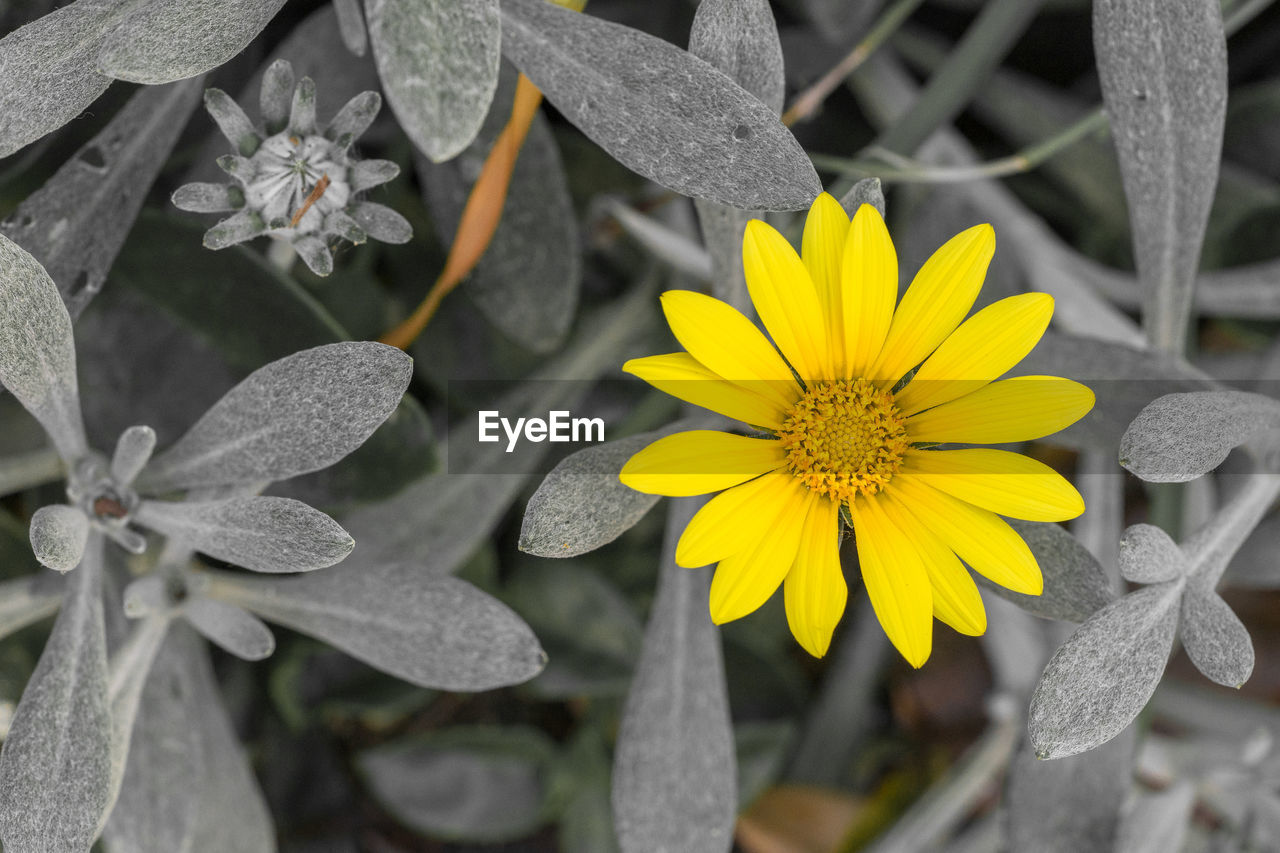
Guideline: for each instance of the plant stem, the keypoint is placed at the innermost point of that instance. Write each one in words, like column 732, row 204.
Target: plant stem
column 29, row 469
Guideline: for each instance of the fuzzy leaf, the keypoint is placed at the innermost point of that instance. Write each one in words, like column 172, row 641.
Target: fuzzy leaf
column 431, row 630
column 55, row 768
column 472, row 783
column 659, row 110
column 231, row 628
column 265, row 534
column 740, row 38
column 29, row 599
column 133, row 450
column 865, row 191
column 674, row 768
column 161, row 41
column 47, row 74
column 351, row 25
column 438, row 60
column 1180, row 437
column 1103, row 675
column 1163, row 67
column 1075, row 584
column 37, row 353
column 58, row 536
column 1215, row 638
column 295, row 415
column 77, row 222
column 1148, row 555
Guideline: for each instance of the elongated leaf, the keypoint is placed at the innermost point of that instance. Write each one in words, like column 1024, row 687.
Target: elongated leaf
column 674, row 769
column 55, row 768
column 438, row 60
column 740, row 38
column 231, row 628
column 37, row 353
column 27, row 600
column 1163, row 66
column 721, row 233
column 1148, row 555
column 474, row 783
column 161, row 41
column 298, row 414
column 1183, row 436
column 1075, row 584
column 659, row 110
column 265, row 534
column 431, row 630
column 1098, row 681
column 1215, row 638
column 77, row 222
column 47, row 71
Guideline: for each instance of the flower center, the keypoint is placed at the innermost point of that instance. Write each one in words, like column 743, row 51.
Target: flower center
column 844, row 438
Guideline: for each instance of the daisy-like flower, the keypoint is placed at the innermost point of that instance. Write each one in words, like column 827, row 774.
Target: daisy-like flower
column 852, row 404
column 295, row 181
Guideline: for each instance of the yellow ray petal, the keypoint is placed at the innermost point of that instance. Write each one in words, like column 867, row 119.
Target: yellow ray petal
column 683, row 377
column 956, row 600
column 869, row 287
column 1006, row 483
column 822, row 250
column 1018, row 409
column 745, row 580
column 937, row 300
column 733, row 520
column 897, row 581
column 785, row 296
column 727, row 343
column 698, row 462
column 979, row 537
column 815, row 591
column 984, row 347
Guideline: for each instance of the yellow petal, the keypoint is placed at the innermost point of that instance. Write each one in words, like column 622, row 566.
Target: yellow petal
column 733, row 520
column 937, row 300
column 815, row 591
column 683, row 377
column 727, row 343
column 745, row 580
column 869, row 287
column 956, row 600
column 698, row 462
column 979, row 537
column 897, row 581
column 1018, row 409
column 1006, row 483
column 785, row 297
column 985, row 346
column 822, row 250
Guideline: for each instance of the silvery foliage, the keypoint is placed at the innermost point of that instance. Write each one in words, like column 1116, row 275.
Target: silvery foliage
column 67, row 751
column 295, row 181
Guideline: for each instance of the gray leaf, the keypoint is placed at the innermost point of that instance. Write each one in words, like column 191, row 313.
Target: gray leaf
column 1075, row 584
column 1068, row 805
column 76, row 223
column 133, row 449
column 1163, row 67
column 47, row 74
column 528, row 279
column 674, row 785
column 27, row 600
column 1215, row 638
column 351, row 25
column 1159, row 821
column 161, row 41
column 1180, row 437
column 231, row 628
column 295, row 415
column 37, row 353
column 474, row 783
column 659, row 110
column 865, row 191
column 431, row 630
column 55, row 769
column 675, row 247
column 265, row 534
column 438, row 60
column 1103, row 675
column 582, row 505
column 1148, row 555
column 381, row 222
column 740, row 38
column 58, row 536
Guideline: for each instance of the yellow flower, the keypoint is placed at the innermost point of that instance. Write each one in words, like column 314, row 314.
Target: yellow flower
column 842, row 429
